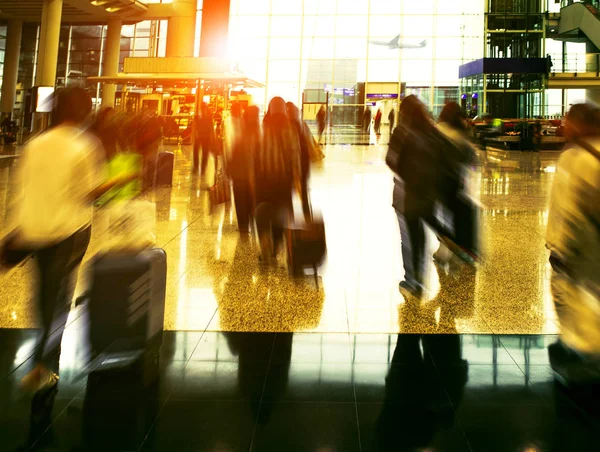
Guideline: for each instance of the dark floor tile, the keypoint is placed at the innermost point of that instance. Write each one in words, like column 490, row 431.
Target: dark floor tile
column 505, row 427
column 399, row 383
column 246, row 347
column 216, row 380
column 482, row 349
column 541, row 380
column 203, row 426
column 179, row 345
column 289, row 426
column 312, row 348
column 528, row 349
column 18, row 345
column 373, row 348
column 485, row 384
column 399, row 427
column 23, row 422
column 309, row 382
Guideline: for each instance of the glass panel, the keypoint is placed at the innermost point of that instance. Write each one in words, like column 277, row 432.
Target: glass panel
column 417, row 26
column 385, row 26
column 285, row 48
column 385, row 7
column 286, row 7
column 254, row 7
column 284, row 70
column 318, row 48
column 319, row 25
column 359, row 7
column 383, row 70
column 249, row 26
column 351, row 26
column 351, row 48
column 249, row 48
column 319, row 6
column 286, row 26
column 419, row 7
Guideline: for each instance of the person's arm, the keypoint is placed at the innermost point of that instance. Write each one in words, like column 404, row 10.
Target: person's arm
column 110, row 184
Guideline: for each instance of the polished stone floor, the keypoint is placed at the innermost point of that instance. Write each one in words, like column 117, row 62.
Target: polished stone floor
column 255, row 362
column 306, row 392
column 215, row 282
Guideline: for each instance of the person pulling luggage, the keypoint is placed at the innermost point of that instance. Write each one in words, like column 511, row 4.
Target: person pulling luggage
column 59, row 177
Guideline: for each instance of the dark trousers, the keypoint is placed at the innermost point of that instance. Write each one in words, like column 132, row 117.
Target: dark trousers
column 242, row 197
column 412, row 235
column 58, row 266
column 271, row 221
column 150, row 158
column 205, row 145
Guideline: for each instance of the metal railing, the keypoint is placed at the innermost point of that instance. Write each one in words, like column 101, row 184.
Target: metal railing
column 589, row 62
column 595, row 3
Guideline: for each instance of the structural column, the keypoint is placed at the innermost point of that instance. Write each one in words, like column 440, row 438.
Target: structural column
column 11, row 66
column 214, row 32
column 49, row 38
column 110, row 65
column 592, row 60
column 181, row 30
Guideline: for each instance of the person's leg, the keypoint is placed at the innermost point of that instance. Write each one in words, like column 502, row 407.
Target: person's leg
column 205, row 151
column 263, row 228
column 416, row 231
column 58, row 267
column 407, row 257
column 196, row 156
column 241, row 198
column 150, row 175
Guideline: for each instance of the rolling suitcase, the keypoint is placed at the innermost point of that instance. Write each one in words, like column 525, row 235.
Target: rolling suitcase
column 126, row 307
column 306, row 246
column 164, row 169
column 466, row 224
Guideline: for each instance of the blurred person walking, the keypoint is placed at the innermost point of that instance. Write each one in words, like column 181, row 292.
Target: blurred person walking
column 321, row 121
column 573, row 237
column 392, row 120
column 414, row 158
column 204, row 138
column 241, row 167
column 60, row 175
column 367, row 120
column 378, row 117
column 107, row 130
column 148, row 143
column 458, row 209
column 306, row 140
column 277, row 171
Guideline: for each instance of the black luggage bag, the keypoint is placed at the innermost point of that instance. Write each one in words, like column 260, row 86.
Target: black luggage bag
column 164, row 169
column 127, row 304
column 466, row 224
column 306, row 246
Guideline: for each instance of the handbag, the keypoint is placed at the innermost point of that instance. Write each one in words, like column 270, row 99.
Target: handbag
column 220, row 193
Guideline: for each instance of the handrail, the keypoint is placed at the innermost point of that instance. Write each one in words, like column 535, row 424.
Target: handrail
column 589, row 62
column 565, row 3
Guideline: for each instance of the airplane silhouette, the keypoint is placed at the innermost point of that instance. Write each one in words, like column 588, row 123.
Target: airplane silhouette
column 397, row 44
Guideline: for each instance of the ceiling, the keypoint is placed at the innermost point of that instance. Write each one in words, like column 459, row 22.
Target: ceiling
column 74, row 11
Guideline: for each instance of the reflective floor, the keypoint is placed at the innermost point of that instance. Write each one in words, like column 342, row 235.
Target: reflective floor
column 307, row 392
column 256, row 362
column 216, row 284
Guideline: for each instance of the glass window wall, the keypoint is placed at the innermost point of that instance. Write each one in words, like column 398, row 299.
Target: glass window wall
column 337, row 45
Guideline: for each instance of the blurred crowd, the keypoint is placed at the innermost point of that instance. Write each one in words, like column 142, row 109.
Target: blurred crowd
column 268, row 163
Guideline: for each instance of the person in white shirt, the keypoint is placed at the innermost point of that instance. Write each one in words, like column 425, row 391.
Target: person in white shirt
column 60, row 175
column 573, row 234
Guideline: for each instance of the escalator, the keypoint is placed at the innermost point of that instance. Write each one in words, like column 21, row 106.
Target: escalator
column 579, row 21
